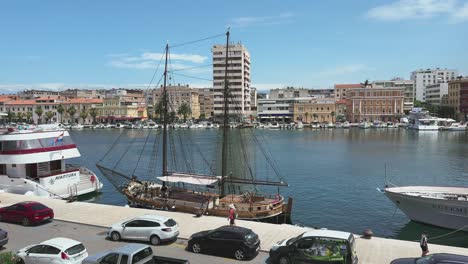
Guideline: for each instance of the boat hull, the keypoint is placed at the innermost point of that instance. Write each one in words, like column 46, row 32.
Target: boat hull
column 452, row 214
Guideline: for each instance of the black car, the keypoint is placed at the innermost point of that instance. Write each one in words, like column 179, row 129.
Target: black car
column 440, row 258
column 3, row 238
column 233, row 241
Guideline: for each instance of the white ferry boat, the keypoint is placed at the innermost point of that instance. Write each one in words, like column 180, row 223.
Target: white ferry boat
column 32, row 162
column 419, row 119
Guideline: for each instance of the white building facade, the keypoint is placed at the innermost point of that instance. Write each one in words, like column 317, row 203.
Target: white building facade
column 435, row 92
column 423, row 78
column 238, row 77
column 408, row 86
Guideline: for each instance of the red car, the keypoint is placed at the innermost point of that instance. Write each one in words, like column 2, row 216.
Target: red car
column 26, row 213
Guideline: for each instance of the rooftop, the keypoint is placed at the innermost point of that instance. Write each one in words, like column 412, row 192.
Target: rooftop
column 349, row 85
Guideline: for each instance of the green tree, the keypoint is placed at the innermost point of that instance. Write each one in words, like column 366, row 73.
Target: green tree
column 83, row 115
column 20, row 116
column 29, row 116
column 60, row 110
column 315, row 116
column 418, row 103
column 48, row 116
column 184, row 110
column 158, row 109
column 202, row 116
column 39, row 113
column 93, row 113
column 10, row 116
column 172, row 116
column 333, row 116
column 72, row 111
column 306, row 115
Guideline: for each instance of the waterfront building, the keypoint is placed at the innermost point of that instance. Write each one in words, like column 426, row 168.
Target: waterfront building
column 238, row 77
column 33, row 94
column 253, row 101
column 375, row 103
column 340, row 109
column 435, row 92
column 458, row 97
column 321, row 93
column 341, row 90
column 82, row 93
column 315, row 110
column 288, row 92
column 421, row 78
column 205, row 97
column 408, row 86
column 179, row 95
column 121, row 108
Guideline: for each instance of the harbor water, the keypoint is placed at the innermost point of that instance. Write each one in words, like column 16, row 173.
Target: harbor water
column 333, row 174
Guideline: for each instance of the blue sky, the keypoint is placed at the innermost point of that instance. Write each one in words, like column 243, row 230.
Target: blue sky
column 313, row 44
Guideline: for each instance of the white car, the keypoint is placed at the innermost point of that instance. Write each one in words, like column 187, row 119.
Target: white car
column 152, row 228
column 58, row 250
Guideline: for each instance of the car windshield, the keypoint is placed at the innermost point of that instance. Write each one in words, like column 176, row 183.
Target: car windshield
column 294, row 239
column 170, row 223
column 425, row 260
column 251, row 237
column 75, row 249
column 37, row 207
column 142, row 255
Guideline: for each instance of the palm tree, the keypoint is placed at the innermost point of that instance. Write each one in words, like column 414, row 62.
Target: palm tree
column 172, row 117
column 83, row 115
column 184, row 110
column 20, row 116
column 158, row 109
column 48, row 116
column 10, row 116
column 306, row 115
column 39, row 113
column 202, row 116
column 93, row 113
column 333, row 116
column 29, row 116
column 72, row 111
column 315, row 116
column 60, row 110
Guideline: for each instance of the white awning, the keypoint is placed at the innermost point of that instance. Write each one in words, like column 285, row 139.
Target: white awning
column 190, row 178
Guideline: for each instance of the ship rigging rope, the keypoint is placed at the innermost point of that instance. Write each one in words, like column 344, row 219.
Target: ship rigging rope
column 198, row 40
column 141, row 152
column 444, row 235
column 125, row 152
column 111, row 148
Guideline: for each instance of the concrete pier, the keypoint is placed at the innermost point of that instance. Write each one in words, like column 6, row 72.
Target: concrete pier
column 370, row 251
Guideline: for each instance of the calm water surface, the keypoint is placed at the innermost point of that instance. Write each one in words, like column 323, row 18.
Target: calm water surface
column 333, row 174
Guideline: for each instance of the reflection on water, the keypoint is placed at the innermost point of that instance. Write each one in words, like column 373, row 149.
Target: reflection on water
column 332, row 173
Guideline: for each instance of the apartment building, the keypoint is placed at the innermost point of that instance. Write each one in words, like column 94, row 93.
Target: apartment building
column 315, row 110
column 421, row 78
column 458, row 97
column 435, row 93
column 32, row 94
column 341, row 90
column 407, row 85
column 178, row 95
column 205, row 97
column 238, row 77
column 375, row 103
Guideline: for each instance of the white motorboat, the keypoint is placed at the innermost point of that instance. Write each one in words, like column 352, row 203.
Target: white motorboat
column 33, row 163
column 455, row 127
column 391, row 125
column 440, row 206
column 77, row 127
column 299, row 125
column 364, row 125
column 274, row 125
column 419, row 119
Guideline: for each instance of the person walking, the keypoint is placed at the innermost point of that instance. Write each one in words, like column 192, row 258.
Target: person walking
column 232, row 214
column 423, row 244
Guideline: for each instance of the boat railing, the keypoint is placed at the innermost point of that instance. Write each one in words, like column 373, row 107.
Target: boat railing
column 57, row 172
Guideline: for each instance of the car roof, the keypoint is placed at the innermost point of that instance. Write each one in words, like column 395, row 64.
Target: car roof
column 327, row 233
column 129, row 249
column 152, row 217
column 62, row 243
column 451, row 257
column 27, row 203
column 236, row 229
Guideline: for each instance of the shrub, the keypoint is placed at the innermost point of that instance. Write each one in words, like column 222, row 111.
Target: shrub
column 7, row 258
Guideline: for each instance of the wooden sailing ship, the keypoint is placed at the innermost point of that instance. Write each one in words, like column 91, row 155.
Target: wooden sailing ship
column 212, row 198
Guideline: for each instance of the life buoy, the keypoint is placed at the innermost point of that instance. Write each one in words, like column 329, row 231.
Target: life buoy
column 92, row 178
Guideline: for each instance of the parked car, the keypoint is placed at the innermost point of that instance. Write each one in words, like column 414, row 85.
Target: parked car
column 131, row 254
column 433, row 259
column 26, row 213
column 315, row 246
column 150, row 227
column 3, row 237
column 233, row 241
column 58, row 250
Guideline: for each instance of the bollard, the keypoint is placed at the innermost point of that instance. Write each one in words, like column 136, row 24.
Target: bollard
column 367, row 234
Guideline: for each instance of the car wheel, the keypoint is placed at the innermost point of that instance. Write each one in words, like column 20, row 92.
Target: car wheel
column 196, row 247
column 19, row 261
column 284, row 260
column 25, row 221
column 239, row 254
column 154, row 240
column 115, row 236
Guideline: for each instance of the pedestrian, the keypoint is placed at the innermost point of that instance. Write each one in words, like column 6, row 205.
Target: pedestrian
column 232, row 214
column 423, row 244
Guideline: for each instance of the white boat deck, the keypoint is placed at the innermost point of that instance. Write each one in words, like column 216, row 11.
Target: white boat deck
column 434, row 192
column 372, row 251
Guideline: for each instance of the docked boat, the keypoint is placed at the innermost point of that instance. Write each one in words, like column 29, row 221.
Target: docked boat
column 202, row 194
column 365, row 125
column 455, row 127
column 419, row 119
column 33, row 163
column 439, row 206
column 274, row 125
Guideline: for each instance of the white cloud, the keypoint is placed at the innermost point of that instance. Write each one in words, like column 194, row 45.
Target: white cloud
column 243, row 22
column 460, row 15
column 415, row 9
column 149, row 60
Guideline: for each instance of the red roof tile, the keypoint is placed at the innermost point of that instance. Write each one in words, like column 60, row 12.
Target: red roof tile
column 21, row 102
column 346, row 86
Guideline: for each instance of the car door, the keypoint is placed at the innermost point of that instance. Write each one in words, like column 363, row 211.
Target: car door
column 148, row 228
column 37, row 255
column 112, row 258
column 10, row 213
column 20, row 213
column 216, row 242
column 304, row 251
column 130, row 230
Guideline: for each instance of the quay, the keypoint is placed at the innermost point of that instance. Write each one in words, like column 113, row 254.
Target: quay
column 370, row 251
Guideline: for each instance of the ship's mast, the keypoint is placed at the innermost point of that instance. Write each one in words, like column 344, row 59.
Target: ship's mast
column 165, row 117
column 225, row 118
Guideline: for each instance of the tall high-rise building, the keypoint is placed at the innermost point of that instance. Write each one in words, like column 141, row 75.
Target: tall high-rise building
column 422, row 78
column 238, row 77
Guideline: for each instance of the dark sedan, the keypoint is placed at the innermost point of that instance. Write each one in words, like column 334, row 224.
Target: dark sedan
column 26, row 213
column 3, row 237
column 233, row 241
column 440, row 258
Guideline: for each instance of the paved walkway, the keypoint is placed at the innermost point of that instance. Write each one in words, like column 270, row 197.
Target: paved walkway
column 373, row 251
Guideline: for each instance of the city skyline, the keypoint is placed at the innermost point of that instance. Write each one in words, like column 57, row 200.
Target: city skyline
column 56, row 45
